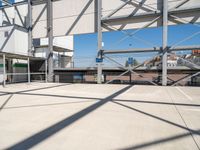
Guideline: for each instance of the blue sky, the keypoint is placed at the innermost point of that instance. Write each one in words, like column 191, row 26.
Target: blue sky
column 11, row 1
column 86, row 44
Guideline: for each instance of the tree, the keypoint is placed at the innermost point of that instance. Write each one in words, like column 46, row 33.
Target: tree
column 133, row 63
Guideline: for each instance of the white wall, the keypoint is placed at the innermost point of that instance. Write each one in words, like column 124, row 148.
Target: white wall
column 71, row 18
column 7, row 45
column 16, row 42
column 13, row 15
column 79, row 16
column 21, row 42
column 66, row 42
column 41, row 52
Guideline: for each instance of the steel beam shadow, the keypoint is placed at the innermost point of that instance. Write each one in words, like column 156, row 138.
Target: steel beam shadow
column 48, row 132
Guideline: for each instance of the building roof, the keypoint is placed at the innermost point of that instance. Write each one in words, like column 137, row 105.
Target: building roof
column 55, row 48
column 19, row 56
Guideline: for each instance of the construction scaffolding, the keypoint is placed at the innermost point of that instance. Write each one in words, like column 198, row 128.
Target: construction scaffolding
column 49, row 18
column 164, row 13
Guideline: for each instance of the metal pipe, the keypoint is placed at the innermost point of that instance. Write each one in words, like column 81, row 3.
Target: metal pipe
column 164, row 44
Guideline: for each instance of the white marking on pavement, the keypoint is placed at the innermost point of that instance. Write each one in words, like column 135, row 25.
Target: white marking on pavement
column 184, row 93
column 192, row 109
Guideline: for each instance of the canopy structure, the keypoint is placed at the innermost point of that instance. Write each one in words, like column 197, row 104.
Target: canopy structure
column 63, row 17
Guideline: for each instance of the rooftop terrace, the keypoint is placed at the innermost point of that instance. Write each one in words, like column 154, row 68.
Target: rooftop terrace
column 90, row 116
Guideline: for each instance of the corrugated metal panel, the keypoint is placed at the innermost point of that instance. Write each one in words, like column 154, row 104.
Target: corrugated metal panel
column 39, row 16
column 79, row 16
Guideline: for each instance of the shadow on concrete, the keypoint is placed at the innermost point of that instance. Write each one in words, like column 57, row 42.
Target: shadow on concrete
column 158, row 118
column 60, row 96
column 4, row 104
column 156, row 103
column 156, row 142
column 48, row 132
column 44, row 105
column 191, row 132
column 37, row 89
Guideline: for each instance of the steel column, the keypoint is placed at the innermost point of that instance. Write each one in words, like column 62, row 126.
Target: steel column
column 29, row 28
column 46, row 68
column 164, row 44
column 29, row 75
column 4, row 70
column 99, row 28
column 50, row 39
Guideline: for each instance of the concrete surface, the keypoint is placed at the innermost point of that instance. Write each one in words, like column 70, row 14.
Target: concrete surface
column 99, row 117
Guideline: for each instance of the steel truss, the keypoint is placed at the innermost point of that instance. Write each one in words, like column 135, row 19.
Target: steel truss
column 29, row 27
column 106, row 22
column 166, row 14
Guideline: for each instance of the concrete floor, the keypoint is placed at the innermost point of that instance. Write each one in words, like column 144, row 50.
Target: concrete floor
column 85, row 116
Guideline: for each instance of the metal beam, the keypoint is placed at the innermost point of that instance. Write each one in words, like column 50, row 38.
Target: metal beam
column 186, row 78
column 183, row 48
column 6, row 2
column 99, row 36
column 180, row 4
column 129, row 69
column 136, row 31
column 4, row 70
column 29, row 28
column 131, row 35
column 34, row 2
column 50, row 39
column 46, row 70
column 29, row 75
column 154, row 49
column 132, row 50
column 151, row 14
column 117, row 9
column 117, row 77
column 164, row 42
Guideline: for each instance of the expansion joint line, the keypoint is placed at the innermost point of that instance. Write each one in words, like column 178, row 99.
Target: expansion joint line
column 182, row 118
